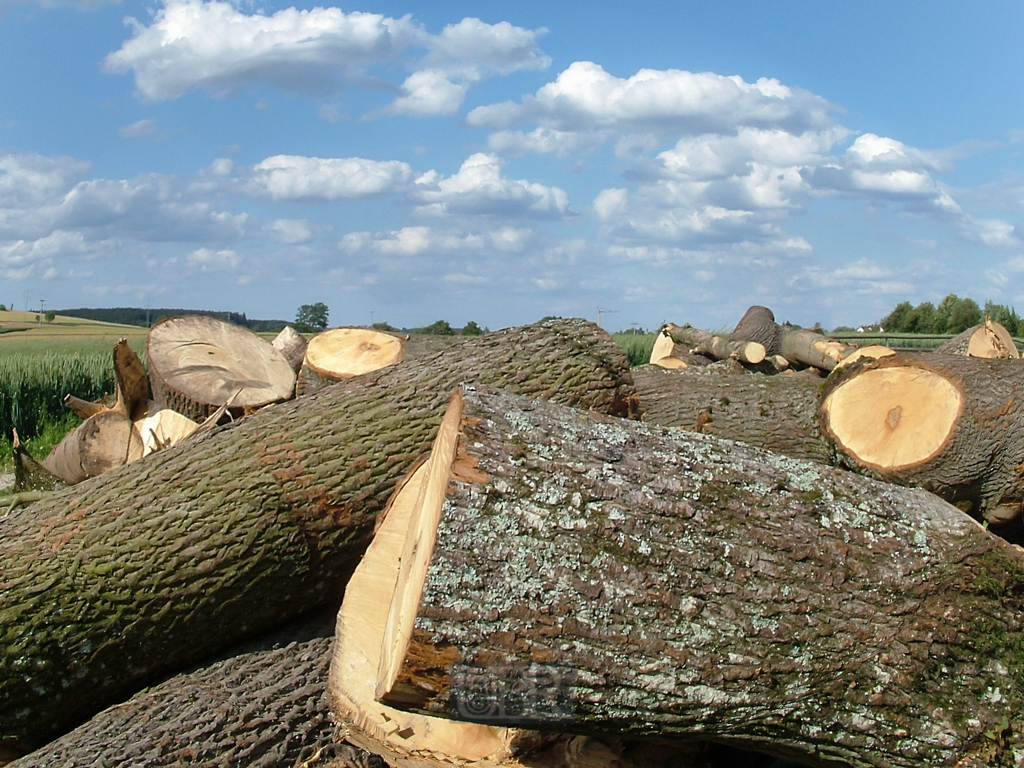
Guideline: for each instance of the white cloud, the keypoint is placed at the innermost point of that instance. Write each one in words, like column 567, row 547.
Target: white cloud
column 585, row 96
column 215, row 46
column 501, row 47
column 209, row 260
column 291, row 231
column 418, row 241
column 431, row 92
column 138, row 130
column 480, row 189
column 292, row 177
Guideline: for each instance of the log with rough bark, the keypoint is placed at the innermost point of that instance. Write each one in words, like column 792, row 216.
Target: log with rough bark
column 156, row 565
column 197, row 363
column 292, row 345
column 809, row 347
column 774, row 412
column 758, row 324
column 948, row 423
column 262, row 709
column 721, row 348
column 989, row 340
column 409, row 740
column 600, row 576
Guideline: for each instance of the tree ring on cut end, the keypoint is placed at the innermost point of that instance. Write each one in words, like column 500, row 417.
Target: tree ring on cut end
column 341, row 353
column 894, row 418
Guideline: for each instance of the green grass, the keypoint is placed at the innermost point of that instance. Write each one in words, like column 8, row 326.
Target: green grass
column 637, row 346
column 32, row 389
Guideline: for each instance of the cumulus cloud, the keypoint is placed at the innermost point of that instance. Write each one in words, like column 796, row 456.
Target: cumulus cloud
column 420, row 240
column 585, row 96
column 291, row 231
column 209, row 260
column 293, row 177
column 215, row 46
column 479, row 188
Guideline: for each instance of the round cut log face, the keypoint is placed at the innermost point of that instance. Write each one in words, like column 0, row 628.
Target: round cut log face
column 893, row 419
column 212, row 362
column 341, row 353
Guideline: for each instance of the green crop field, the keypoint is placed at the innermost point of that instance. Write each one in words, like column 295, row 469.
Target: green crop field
column 40, row 363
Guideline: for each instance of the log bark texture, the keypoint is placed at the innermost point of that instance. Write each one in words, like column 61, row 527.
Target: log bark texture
column 968, row 447
column 596, row 576
column 758, row 324
column 806, row 347
column 155, row 565
column 774, row 412
column 263, row 709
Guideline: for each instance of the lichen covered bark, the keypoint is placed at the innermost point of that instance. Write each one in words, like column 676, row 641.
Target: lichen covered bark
column 621, row 578
column 156, row 565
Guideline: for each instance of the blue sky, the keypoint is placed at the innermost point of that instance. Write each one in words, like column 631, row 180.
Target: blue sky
column 499, row 162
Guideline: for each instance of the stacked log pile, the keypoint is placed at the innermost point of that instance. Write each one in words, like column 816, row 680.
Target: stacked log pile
column 522, row 573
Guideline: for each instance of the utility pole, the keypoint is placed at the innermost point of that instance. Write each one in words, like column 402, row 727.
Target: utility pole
column 603, row 312
column 40, row 318
column 28, row 295
column 371, row 317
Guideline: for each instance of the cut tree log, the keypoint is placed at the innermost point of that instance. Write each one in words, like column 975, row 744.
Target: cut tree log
column 948, row 423
column 774, row 412
column 196, row 363
column 758, row 324
column 262, row 709
column 131, row 383
column 808, row 347
column 667, row 353
column 156, row 565
column 292, row 345
column 409, row 740
column 341, row 353
column 598, row 576
column 873, row 351
column 703, row 343
column 105, row 440
column 990, row 340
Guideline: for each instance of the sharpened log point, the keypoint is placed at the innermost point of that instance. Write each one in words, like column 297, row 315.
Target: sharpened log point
column 344, row 352
column 893, row 418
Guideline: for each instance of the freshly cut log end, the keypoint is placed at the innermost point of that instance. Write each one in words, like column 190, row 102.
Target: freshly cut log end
column 992, row 341
column 893, row 419
column 197, row 363
column 341, row 353
column 292, row 345
column 161, row 428
column 360, row 641
column 663, row 346
column 102, row 442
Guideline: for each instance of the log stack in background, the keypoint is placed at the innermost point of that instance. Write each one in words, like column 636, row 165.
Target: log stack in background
column 154, row 565
column 555, row 582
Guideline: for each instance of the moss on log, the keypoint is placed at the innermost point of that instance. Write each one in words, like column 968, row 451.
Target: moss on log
column 609, row 577
column 153, row 566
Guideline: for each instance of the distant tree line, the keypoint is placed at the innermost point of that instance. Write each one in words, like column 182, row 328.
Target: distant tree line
column 952, row 316
column 146, row 317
